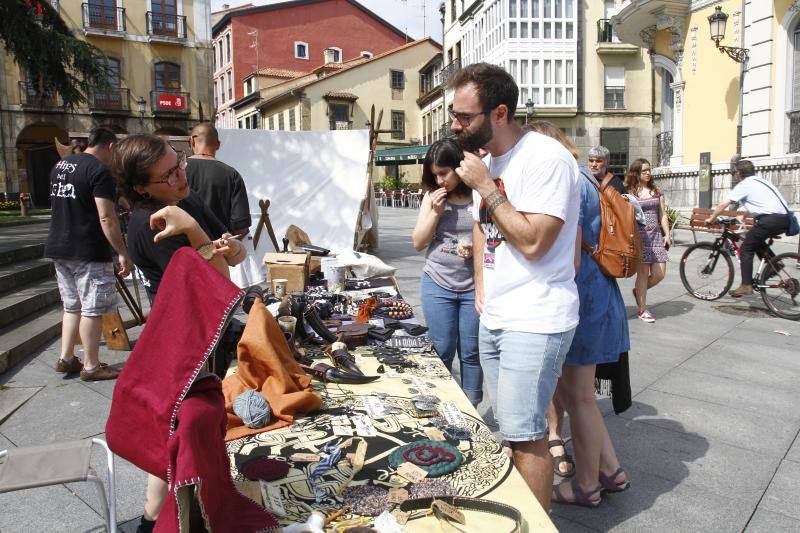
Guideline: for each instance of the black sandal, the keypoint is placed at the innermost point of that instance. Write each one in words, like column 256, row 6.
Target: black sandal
column 558, row 460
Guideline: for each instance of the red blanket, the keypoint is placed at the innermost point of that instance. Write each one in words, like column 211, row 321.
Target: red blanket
column 162, row 421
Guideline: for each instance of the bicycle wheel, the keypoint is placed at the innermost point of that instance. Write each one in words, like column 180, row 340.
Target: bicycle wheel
column 706, row 273
column 780, row 286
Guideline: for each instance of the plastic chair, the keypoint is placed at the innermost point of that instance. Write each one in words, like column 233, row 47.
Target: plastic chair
column 57, row 463
column 397, row 198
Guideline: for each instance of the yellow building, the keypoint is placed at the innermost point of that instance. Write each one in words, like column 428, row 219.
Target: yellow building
column 736, row 95
column 341, row 95
column 158, row 53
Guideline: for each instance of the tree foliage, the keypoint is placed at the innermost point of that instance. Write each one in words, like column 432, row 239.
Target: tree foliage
column 51, row 55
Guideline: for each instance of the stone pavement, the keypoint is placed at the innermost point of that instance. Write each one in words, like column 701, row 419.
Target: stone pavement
column 710, row 443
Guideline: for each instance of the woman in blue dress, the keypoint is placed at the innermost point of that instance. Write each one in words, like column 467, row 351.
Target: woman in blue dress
column 600, row 337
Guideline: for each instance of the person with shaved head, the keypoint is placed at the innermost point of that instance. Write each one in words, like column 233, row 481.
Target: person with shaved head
column 219, row 185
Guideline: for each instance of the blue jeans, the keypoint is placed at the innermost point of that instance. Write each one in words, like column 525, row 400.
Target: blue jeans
column 453, row 326
column 522, row 371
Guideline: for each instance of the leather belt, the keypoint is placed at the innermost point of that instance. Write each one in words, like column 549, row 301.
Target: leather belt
column 469, row 504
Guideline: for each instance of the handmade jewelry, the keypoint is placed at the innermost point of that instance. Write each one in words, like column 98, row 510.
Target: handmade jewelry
column 430, row 488
column 366, row 500
column 436, row 458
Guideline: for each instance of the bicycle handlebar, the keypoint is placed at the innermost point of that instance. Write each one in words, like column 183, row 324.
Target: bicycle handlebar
column 727, row 221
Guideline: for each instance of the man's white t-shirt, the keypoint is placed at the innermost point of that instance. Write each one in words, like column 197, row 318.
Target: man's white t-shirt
column 757, row 198
column 539, row 176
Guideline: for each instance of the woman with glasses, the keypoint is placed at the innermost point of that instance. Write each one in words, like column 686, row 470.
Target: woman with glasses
column 656, row 238
column 447, row 287
column 166, row 216
column 152, row 177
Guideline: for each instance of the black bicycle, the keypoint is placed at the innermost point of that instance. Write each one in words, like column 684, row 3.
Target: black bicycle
column 707, row 272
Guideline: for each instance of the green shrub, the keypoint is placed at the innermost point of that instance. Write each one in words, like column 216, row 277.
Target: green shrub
column 672, row 215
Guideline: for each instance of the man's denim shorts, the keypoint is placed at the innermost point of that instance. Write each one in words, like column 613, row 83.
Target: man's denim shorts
column 521, row 371
column 86, row 287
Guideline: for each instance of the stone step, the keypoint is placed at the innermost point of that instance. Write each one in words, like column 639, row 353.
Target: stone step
column 25, row 336
column 23, row 301
column 21, row 253
column 24, row 272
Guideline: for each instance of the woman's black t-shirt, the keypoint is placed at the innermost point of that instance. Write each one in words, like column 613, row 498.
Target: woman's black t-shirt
column 152, row 257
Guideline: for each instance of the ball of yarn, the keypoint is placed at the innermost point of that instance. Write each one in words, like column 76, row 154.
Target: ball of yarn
column 253, row 409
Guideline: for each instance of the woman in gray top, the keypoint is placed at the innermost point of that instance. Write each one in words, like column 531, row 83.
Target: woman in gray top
column 447, row 288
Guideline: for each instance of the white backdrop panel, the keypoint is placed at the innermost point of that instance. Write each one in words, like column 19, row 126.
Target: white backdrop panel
column 313, row 179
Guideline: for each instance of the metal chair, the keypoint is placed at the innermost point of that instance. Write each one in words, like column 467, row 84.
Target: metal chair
column 57, row 463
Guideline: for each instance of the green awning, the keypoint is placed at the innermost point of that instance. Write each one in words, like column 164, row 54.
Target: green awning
column 407, row 155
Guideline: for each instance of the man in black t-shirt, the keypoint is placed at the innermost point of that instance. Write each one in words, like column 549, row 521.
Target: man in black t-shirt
column 84, row 222
column 220, row 186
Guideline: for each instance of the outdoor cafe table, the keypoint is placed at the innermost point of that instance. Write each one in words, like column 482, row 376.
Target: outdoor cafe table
column 486, row 472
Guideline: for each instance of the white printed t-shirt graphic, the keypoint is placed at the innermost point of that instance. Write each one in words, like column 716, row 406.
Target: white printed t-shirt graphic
column 539, row 176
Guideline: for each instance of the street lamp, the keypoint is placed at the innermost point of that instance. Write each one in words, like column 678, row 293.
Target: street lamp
column 140, row 107
column 716, row 23
column 528, row 110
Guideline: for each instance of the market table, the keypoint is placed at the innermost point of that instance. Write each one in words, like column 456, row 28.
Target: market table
column 382, row 413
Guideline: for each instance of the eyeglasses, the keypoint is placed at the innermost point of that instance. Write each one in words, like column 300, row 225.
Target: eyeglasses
column 466, row 118
column 170, row 177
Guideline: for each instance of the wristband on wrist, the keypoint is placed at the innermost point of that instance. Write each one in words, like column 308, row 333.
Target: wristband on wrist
column 206, row 250
column 496, row 202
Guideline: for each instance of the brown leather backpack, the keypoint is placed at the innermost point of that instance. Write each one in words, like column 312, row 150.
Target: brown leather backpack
column 619, row 247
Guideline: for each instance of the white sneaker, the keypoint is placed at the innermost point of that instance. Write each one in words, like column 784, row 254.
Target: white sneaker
column 645, row 316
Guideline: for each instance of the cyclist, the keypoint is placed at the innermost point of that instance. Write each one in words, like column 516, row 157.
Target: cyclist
column 765, row 203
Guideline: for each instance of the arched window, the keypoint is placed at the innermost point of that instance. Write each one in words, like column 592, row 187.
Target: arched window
column 168, row 76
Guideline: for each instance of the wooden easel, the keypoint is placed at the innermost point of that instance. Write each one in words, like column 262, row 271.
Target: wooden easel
column 264, row 221
column 371, row 238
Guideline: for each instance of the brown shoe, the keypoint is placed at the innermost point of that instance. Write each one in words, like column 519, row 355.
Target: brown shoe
column 742, row 290
column 103, row 373
column 73, row 366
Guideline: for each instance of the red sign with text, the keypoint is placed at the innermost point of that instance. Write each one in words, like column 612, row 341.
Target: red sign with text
column 172, row 102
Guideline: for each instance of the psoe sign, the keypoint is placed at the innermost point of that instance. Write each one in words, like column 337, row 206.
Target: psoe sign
column 172, row 102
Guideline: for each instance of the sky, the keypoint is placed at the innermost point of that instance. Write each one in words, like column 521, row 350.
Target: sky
column 405, row 15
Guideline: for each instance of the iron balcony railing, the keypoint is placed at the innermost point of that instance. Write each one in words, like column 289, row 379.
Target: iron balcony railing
column 614, row 98
column 341, row 124
column 103, row 17
column 445, row 131
column 110, row 100
column 168, row 101
column 37, row 96
column 663, row 148
column 605, row 31
column 164, row 25
column 794, row 131
column 447, row 72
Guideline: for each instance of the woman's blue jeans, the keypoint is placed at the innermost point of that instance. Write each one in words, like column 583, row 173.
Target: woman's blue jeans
column 453, row 326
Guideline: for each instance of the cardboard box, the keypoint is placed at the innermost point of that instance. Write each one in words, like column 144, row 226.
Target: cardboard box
column 291, row 267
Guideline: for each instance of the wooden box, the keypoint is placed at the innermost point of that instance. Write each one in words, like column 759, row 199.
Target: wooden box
column 291, row 267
